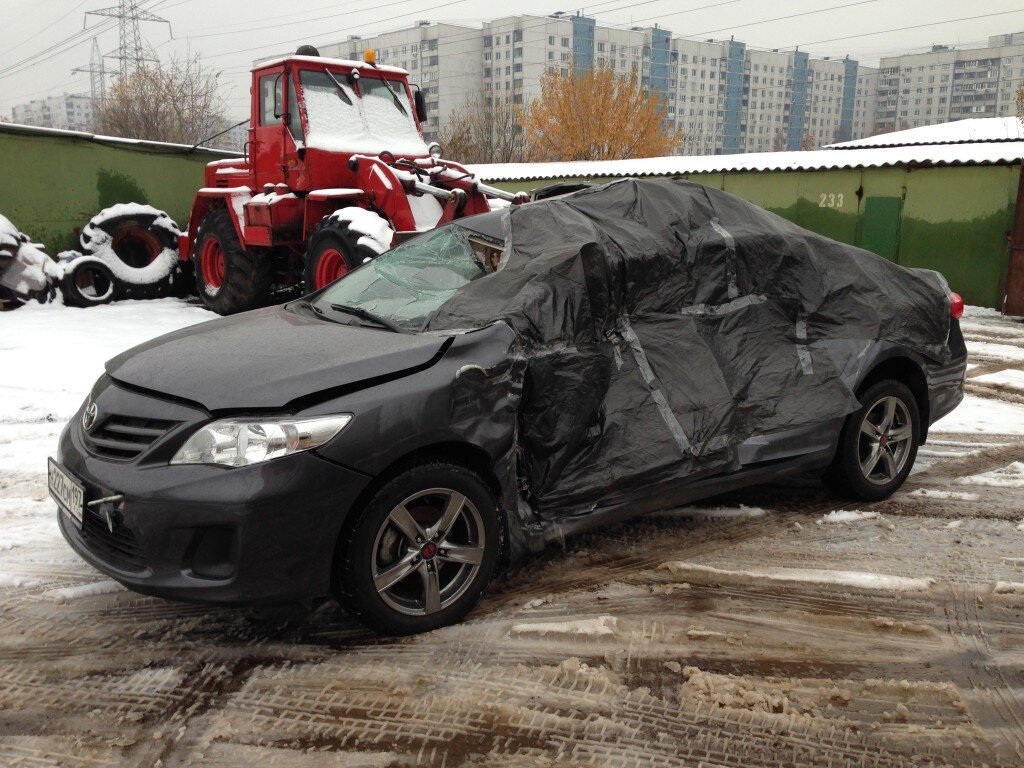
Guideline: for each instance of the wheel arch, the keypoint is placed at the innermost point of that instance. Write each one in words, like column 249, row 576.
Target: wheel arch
column 203, row 204
column 902, row 368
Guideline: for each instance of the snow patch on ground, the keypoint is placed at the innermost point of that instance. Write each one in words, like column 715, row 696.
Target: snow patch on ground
column 982, row 415
column 598, row 626
column 58, row 352
column 66, row 594
column 1009, row 588
column 998, row 351
column 1010, row 476
column 932, row 493
column 808, row 576
column 847, row 516
column 712, row 513
column 1010, row 378
column 954, row 524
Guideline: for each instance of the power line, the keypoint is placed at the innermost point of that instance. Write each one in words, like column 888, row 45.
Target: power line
column 915, row 26
column 130, row 51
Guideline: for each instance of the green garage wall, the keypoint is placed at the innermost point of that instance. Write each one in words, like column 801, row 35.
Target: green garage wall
column 52, row 183
column 954, row 219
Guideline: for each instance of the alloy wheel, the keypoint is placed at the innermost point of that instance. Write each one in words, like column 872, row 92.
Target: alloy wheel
column 428, row 551
column 886, row 437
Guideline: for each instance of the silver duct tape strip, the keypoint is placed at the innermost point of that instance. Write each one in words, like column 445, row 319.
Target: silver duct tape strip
column 733, row 290
column 722, row 309
column 801, row 349
column 656, row 394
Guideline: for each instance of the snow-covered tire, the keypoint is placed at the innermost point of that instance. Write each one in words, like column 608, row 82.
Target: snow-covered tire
column 136, row 234
column 343, row 241
column 228, row 278
column 88, row 282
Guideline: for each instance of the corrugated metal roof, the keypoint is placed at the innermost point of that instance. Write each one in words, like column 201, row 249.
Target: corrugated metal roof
column 972, row 130
column 153, row 146
column 1001, row 153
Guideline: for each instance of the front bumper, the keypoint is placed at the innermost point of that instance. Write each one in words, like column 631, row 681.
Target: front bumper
column 264, row 533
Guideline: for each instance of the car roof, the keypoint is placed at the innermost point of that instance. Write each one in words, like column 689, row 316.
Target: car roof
column 489, row 225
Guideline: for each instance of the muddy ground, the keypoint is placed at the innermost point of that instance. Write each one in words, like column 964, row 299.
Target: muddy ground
column 751, row 631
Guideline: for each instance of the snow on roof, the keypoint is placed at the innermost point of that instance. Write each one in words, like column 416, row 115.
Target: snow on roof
column 140, row 143
column 958, row 132
column 1002, row 153
column 333, row 62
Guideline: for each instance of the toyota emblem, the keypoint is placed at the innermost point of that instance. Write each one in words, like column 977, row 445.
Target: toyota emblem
column 89, row 417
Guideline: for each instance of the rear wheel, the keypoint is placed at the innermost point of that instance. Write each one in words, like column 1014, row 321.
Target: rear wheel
column 228, row 278
column 421, row 553
column 334, row 250
column 87, row 282
column 878, row 444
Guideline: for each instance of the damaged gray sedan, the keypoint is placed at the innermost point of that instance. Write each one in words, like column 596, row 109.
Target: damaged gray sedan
column 499, row 383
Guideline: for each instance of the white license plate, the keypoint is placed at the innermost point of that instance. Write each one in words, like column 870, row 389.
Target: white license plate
column 66, row 490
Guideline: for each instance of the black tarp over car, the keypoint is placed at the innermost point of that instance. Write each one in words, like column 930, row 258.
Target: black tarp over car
column 662, row 323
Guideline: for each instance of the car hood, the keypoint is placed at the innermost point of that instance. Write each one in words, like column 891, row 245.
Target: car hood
column 270, row 358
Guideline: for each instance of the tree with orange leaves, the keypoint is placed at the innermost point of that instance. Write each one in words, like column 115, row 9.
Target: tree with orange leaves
column 595, row 115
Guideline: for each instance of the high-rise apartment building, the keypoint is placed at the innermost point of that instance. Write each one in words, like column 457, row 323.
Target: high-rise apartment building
column 722, row 95
column 68, row 112
column 950, row 84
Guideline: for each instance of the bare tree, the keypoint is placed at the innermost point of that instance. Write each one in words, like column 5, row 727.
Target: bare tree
column 809, row 142
column 485, row 129
column 175, row 101
column 1020, row 103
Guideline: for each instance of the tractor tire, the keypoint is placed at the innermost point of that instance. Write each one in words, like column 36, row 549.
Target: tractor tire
column 333, row 251
column 88, row 282
column 136, row 238
column 228, row 278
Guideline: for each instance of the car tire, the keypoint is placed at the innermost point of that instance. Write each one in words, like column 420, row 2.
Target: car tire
column 398, row 586
column 333, row 251
column 878, row 444
column 228, row 278
column 88, row 282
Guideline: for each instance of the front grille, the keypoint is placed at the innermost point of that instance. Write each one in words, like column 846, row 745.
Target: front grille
column 125, row 437
column 118, row 547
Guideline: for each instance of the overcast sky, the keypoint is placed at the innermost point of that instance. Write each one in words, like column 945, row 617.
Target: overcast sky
column 231, row 33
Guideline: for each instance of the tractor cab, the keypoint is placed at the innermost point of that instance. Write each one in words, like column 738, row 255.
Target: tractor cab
column 311, row 115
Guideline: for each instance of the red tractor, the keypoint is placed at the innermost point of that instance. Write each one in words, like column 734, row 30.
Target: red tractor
column 336, row 171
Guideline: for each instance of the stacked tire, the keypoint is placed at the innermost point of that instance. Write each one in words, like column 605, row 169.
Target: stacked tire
column 128, row 252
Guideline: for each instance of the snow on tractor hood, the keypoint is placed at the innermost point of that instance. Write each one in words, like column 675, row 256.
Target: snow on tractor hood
column 268, row 359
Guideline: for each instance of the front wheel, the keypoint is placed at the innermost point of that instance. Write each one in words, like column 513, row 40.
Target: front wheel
column 343, row 241
column 421, row 553
column 878, row 444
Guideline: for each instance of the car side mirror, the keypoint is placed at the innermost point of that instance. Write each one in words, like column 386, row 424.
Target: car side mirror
column 421, row 106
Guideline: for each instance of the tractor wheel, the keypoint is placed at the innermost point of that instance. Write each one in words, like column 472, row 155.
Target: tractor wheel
column 335, row 249
column 87, row 282
column 136, row 237
column 228, row 278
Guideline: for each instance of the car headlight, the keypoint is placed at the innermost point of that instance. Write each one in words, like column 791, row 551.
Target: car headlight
column 244, row 441
column 435, row 150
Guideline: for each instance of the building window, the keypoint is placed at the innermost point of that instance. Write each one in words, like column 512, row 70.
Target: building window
column 565, row 42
